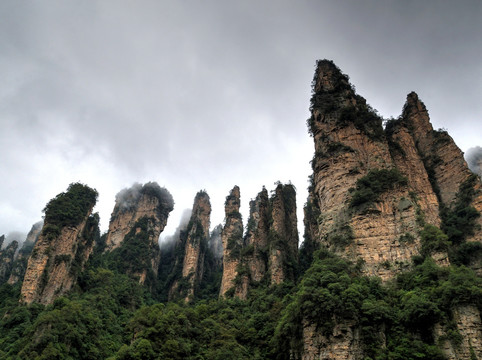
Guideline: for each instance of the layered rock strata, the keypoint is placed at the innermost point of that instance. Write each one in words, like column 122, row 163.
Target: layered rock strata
column 257, row 236
column 232, row 238
column 469, row 326
column 20, row 264
column 63, row 246
column 148, row 200
column 269, row 251
column 283, row 235
column 196, row 242
column 139, row 216
column 7, row 257
column 343, row 344
column 444, row 161
column 350, row 144
column 380, row 195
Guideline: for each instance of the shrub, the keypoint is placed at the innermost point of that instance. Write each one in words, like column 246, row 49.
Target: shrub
column 432, row 240
column 69, row 208
column 376, row 182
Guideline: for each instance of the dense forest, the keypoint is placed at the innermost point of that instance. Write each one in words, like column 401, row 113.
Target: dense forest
column 109, row 315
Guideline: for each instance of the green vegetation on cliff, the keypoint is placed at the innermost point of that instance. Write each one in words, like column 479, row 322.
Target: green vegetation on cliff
column 70, row 208
column 376, row 182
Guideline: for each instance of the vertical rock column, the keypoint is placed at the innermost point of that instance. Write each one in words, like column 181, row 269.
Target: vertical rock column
column 62, row 248
column 139, row 216
column 257, row 236
column 196, row 242
column 7, row 259
column 443, row 159
column 232, row 238
column 283, row 245
column 20, row 265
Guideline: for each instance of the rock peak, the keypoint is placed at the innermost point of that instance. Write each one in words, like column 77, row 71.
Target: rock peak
column 328, row 77
column 233, row 203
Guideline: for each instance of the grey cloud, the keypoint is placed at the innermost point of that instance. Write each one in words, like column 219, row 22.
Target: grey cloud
column 473, row 156
column 167, row 242
column 209, row 93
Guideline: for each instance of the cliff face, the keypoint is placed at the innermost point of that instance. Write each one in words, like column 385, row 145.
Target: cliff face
column 469, row 326
column 444, row 161
column 283, row 239
column 269, row 250
column 20, row 264
column 257, row 236
column 63, row 246
column 149, row 200
column 379, row 196
column 139, row 216
column 232, row 238
column 7, row 259
column 343, row 344
column 362, row 204
column 196, row 242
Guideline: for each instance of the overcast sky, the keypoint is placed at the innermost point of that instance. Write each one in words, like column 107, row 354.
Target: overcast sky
column 209, row 94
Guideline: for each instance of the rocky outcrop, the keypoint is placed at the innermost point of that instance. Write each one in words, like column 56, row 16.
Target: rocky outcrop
column 63, row 246
column 343, row 343
column 196, row 242
column 139, row 216
column 269, row 251
column 407, row 160
column 382, row 195
column 443, row 158
column 444, row 161
column 20, row 264
column 7, row 256
column 257, row 234
column 469, row 326
column 283, row 235
column 134, row 203
column 232, row 238
column 378, row 225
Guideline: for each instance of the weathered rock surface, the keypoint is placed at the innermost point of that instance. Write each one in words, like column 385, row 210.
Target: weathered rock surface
column 63, row 246
column 444, row 161
column 139, row 216
column 20, row 264
column 232, row 238
column 283, row 241
column 352, row 211
column 257, row 236
column 343, row 344
column 349, row 143
column 269, row 251
column 148, row 200
column 196, row 242
column 7, row 256
column 469, row 326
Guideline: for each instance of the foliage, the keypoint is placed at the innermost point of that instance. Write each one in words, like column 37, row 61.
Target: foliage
column 364, row 117
column 133, row 256
column 370, row 187
column 69, row 208
column 89, row 324
column 433, row 240
column 333, row 292
column 460, row 220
